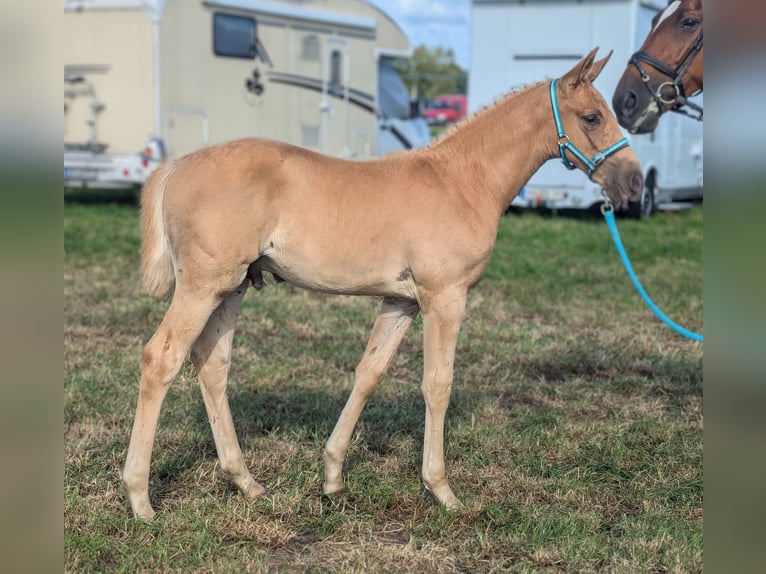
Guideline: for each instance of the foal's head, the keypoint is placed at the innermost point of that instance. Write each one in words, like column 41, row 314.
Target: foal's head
column 593, row 141
column 666, row 69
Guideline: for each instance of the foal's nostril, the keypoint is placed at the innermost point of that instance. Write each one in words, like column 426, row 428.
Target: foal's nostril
column 636, row 184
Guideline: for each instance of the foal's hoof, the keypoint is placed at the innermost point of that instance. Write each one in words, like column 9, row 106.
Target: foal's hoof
column 332, row 488
column 144, row 512
column 139, row 504
column 253, row 490
column 443, row 494
column 453, row 504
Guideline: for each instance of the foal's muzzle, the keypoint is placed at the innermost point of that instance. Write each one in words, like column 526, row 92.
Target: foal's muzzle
column 623, row 183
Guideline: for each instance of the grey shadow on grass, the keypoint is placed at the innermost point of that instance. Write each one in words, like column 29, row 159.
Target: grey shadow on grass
column 296, row 414
column 308, row 415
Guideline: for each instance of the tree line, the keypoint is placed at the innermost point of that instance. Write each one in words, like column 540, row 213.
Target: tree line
column 431, row 72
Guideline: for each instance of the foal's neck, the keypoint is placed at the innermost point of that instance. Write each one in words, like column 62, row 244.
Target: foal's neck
column 497, row 150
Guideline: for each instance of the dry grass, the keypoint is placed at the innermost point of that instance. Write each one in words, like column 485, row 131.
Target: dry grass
column 574, row 436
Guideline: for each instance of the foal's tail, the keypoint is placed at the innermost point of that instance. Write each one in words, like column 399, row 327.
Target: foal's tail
column 159, row 277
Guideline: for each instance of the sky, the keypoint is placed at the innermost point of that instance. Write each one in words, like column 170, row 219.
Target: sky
column 434, row 23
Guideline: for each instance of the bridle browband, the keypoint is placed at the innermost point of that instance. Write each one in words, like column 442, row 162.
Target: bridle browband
column 677, row 74
column 565, row 144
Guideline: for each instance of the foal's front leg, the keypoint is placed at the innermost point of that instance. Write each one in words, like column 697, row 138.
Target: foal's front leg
column 441, row 322
column 393, row 320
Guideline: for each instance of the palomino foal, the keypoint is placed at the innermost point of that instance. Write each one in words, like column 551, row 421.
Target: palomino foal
column 416, row 229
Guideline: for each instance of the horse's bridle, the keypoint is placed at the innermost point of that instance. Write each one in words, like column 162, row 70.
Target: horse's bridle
column 565, row 144
column 676, row 75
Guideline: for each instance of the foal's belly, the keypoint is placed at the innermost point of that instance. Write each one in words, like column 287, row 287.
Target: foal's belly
column 373, row 278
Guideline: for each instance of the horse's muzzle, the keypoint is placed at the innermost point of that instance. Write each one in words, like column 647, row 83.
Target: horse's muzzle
column 636, row 111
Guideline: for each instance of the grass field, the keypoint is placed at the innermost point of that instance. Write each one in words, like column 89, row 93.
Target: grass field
column 574, row 435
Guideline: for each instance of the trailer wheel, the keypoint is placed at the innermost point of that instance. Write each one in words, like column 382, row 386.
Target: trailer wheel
column 645, row 206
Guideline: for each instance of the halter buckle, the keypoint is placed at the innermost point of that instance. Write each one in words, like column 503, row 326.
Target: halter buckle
column 597, row 159
column 607, row 205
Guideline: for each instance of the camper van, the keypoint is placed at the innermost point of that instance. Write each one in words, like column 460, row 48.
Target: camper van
column 150, row 80
column 518, row 42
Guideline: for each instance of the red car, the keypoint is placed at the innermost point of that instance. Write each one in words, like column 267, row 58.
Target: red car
column 446, row 109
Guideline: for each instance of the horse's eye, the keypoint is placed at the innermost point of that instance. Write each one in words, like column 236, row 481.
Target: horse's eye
column 591, row 120
column 689, row 23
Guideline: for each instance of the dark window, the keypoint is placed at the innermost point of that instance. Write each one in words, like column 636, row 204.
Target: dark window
column 393, row 99
column 336, row 62
column 234, row 36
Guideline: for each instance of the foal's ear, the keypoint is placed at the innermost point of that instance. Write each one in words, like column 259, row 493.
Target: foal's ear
column 580, row 72
column 598, row 66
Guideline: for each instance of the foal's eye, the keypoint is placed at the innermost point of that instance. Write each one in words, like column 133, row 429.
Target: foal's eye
column 689, row 23
column 591, row 120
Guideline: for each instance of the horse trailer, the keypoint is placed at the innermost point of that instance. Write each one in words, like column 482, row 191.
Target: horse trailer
column 150, row 80
column 517, row 42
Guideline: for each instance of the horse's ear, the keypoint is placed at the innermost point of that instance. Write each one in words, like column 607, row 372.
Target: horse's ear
column 580, row 72
column 598, row 66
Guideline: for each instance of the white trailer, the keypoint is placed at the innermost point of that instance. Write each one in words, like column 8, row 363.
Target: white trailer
column 151, row 80
column 519, row 42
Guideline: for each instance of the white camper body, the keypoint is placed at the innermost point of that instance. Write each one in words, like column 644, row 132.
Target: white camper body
column 519, row 42
column 150, row 80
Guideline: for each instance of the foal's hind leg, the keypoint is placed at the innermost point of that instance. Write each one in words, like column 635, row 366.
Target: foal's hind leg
column 211, row 355
column 162, row 359
column 393, row 320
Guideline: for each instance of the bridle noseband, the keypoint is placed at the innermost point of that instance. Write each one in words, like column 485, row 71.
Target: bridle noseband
column 565, row 144
column 677, row 74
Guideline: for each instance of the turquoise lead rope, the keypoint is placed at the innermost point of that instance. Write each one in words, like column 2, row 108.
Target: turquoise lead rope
column 608, row 212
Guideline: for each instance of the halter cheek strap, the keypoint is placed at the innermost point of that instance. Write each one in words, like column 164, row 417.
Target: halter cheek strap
column 566, row 145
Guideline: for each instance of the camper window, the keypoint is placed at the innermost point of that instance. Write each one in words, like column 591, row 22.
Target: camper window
column 393, row 99
column 311, row 48
column 336, row 61
column 234, row 36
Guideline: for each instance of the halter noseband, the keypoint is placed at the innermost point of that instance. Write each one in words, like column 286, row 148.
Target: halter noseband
column 675, row 74
column 565, row 144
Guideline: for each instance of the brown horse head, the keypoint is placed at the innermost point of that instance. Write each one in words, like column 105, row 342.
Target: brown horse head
column 665, row 71
column 593, row 141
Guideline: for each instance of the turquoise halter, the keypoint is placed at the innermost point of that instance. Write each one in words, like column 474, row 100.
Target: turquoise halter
column 565, row 144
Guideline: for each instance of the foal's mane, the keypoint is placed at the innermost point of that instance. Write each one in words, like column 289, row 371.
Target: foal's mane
column 488, row 108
